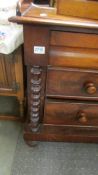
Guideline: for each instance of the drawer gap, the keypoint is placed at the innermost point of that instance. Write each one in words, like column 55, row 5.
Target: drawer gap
column 56, row 100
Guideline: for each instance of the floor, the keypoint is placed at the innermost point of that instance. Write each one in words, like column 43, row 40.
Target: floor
column 55, row 159
column 9, row 133
column 47, row 158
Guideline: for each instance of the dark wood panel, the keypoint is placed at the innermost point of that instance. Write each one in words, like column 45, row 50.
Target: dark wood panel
column 71, row 113
column 62, row 133
column 38, row 37
column 73, row 57
column 72, row 83
column 70, row 39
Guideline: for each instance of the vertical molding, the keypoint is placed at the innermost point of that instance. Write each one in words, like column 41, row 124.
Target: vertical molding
column 35, row 97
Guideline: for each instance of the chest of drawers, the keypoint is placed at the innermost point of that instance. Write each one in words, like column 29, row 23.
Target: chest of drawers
column 61, row 56
column 62, row 83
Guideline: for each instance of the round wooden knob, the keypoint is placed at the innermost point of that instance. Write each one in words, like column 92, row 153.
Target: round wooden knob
column 82, row 117
column 90, row 88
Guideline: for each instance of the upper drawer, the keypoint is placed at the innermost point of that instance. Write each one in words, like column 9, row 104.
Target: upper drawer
column 73, row 57
column 70, row 39
column 72, row 83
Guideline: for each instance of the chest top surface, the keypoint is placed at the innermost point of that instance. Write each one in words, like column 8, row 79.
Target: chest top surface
column 44, row 15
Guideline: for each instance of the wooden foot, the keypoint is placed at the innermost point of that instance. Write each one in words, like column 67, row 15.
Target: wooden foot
column 31, row 143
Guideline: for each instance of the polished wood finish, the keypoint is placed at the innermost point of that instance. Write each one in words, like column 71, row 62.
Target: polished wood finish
column 72, row 83
column 71, row 113
column 73, row 57
column 11, row 78
column 62, row 80
column 70, row 39
column 32, row 14
column 90, row 88
column 62, row 133
column 80, row 8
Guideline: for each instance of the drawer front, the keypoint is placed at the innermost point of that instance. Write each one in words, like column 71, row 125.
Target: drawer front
column 71, row 113
column 73, row 57
column 70, row 39
column 72, row 83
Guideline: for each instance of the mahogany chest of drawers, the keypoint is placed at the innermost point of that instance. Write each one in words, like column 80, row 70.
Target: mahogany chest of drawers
column 61, row 55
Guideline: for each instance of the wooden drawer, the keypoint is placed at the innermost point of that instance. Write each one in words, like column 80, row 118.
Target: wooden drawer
column 71, row 39
column 73, row 57
column 63, row 133
column 71, row 113
column 72, row 83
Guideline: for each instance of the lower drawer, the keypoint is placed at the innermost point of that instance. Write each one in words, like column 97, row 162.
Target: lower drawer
column 63, row 133
column 71, row 113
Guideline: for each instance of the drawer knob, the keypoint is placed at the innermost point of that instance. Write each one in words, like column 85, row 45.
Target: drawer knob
column 82, row 117
column 90, row 88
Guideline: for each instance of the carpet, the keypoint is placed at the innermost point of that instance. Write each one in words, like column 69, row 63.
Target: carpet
column 51, row 158
column 9, row 132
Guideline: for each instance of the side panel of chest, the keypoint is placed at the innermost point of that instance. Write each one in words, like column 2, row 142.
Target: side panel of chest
column 36, row 45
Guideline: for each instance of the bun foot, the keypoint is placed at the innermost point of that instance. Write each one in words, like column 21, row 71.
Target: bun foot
column 31, row 143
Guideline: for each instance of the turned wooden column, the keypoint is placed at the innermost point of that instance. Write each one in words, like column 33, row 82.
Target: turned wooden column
column 35, row 96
